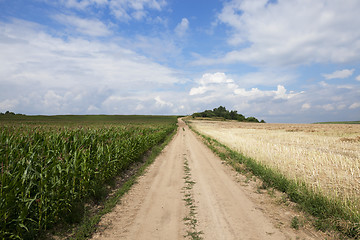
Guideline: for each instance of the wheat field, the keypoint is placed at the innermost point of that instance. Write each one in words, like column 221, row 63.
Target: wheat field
column 324, row 156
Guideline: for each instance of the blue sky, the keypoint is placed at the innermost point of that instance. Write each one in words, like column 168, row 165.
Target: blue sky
column 281, row 61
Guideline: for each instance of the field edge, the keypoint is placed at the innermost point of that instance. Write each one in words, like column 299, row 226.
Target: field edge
column 329, row 214
column 89, row 225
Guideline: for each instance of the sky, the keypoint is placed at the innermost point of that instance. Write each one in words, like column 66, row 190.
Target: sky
column 294, row 61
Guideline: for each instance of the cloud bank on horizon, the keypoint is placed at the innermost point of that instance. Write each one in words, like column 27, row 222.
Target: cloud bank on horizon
column 281, row 61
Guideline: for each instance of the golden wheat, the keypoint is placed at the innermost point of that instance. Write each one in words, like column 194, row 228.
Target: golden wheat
column 326, row 157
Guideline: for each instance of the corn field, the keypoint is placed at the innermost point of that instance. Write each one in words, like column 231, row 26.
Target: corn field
column 47, row 170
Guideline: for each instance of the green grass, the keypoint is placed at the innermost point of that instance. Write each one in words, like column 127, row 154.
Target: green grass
column 340, row 122
column 295, row 223
column 50, row 166
column 330, row 214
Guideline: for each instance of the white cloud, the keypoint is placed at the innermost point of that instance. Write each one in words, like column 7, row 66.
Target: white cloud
column 254, row 92
column 8, row 104
column 197, row 90
column 123, row 10
column 267, row 77
column 93, row 109
column 162, row 103
column 52, row 100
column 340, row 74
column 182, row 27
column 291, row 32
column 341, row 107
column 281, row 93
column 218, row 77
column 212, row 82
column 218, row 84
column 91, row 27
column 139, row 107
column 354, row 105
column 337, row 98
column 35, row 55
column 160, row 47
column 52, row 75
column 328, row 107
column 126, row 10
column 81, row 4
column 345, row 86
column 317, row 103
column 150, row 103
column 305, row 106
column 358, row 78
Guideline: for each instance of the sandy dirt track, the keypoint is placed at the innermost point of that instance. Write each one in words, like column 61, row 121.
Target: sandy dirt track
column 155, row 208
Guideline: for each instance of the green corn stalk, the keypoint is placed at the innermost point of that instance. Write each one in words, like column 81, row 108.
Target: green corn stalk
column 44, row 169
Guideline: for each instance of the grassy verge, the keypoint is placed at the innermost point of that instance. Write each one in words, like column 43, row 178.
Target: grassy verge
column 343, row 122
column 330, row 214
column 190, row 219
column 88, row 225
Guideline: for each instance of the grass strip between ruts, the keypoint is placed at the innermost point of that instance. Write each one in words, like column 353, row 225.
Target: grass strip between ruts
column 329, row 213
column 88, row 226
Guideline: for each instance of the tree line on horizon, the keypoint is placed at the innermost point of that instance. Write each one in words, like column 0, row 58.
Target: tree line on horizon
column 224, row 113
column 8, row 113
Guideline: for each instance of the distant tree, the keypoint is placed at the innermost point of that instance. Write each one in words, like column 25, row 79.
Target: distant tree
column 251, row 119
column 233, row 115
column 262, row 121
column 195, row 115
column 241, row 118
column 9, row 113
column 222, row 112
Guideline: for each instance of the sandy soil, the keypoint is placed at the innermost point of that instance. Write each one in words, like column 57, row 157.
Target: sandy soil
column 223, row 207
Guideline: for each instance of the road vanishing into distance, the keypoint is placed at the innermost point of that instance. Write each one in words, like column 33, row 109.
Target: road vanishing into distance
column 189, row 193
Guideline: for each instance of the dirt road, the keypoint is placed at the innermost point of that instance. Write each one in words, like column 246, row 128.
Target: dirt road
column 188, row 193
